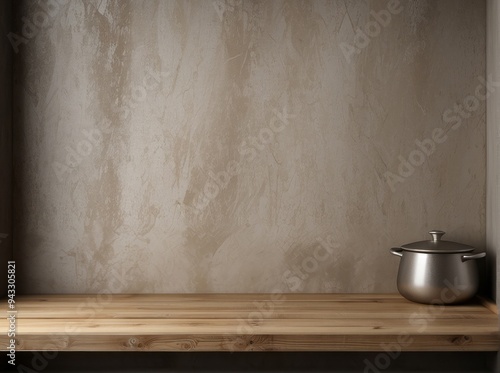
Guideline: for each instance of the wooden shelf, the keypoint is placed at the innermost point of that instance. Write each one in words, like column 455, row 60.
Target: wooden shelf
column 249, row 322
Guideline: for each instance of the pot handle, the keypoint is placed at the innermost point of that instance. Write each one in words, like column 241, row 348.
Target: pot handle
column 397, row 251
column 473, row 256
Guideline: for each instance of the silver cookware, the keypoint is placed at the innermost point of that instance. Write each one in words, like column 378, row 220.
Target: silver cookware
column 437, row 271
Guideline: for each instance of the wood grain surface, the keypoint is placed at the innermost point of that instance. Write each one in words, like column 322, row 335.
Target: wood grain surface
column 248, row 322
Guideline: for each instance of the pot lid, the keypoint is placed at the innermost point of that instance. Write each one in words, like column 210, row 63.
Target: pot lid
column 436, row 245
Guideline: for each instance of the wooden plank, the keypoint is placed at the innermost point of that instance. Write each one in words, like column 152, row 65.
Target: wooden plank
column 224, row 322
column 200, row 343
column 489, row 304
column 142, row 308
column 143, row 313
column 47, row 309
column 265, row 326
column 102, row 310
column 391, row 299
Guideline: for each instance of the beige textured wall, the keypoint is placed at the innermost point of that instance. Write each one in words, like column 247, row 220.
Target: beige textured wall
column 5, row 144
column 126, row 109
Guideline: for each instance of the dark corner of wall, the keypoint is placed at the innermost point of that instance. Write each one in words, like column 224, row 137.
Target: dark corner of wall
column 6, row 119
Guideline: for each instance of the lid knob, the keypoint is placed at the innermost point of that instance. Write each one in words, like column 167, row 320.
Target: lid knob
column 436, row 235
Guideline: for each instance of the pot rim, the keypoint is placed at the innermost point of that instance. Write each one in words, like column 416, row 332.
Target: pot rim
column 431, row 251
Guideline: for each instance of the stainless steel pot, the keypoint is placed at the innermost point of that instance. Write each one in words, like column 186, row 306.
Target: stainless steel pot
column 437, row 271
